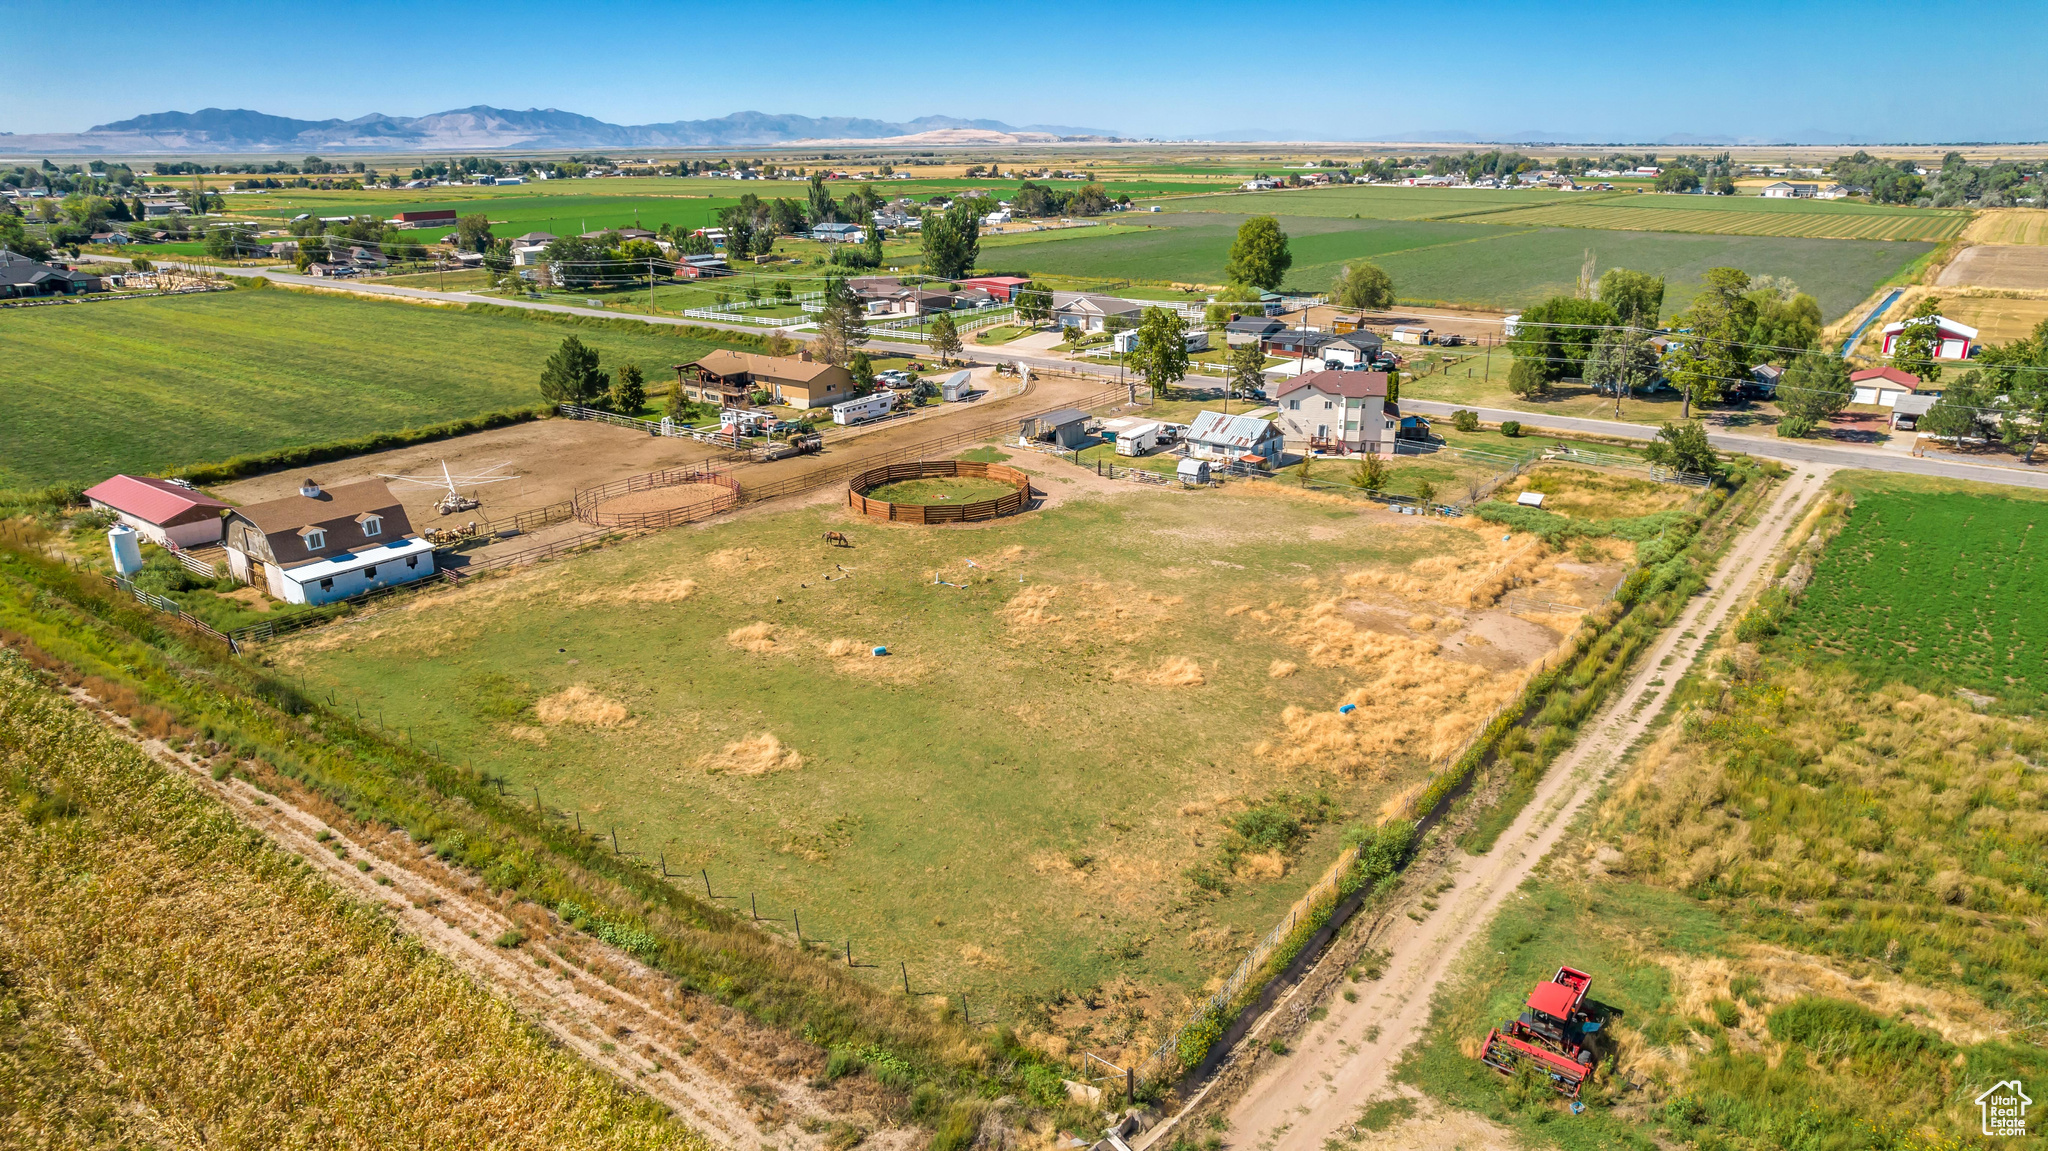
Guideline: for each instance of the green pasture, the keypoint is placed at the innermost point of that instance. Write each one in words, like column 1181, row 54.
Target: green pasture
column 149, row 385
column 1002, row 802
column 1453, row 262
column 1936, row 588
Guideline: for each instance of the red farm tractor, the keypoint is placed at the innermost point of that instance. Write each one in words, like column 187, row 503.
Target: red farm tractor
column 1553, row 1034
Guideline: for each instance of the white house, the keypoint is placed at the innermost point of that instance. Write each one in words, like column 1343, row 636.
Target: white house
column 1090, row 313
column 323, row 545
column 1956, row 340
column 1342, row 412
column 165, row 512
column 839, row 233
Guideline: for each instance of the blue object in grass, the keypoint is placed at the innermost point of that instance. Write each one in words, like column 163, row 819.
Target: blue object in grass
column 1347, row 709
column 881, row 651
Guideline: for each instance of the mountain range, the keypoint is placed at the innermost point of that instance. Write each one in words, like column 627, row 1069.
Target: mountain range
column 221, row 130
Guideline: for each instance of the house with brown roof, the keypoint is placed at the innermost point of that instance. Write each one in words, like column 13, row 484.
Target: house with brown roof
column 728, row 378
column 326, row 544
column 165, row 512
column 1342, row 412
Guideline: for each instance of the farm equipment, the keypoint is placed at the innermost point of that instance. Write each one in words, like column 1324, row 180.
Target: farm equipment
column 454, row 502
column 1553, row 1035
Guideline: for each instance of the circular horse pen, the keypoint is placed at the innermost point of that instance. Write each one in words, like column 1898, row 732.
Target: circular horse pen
column 939, row 511
column 658, row 499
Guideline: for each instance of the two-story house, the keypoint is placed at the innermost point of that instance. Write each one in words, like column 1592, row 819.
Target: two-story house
column 1342, row 412
column 325, row 544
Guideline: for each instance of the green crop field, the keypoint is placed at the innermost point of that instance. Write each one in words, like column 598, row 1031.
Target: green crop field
column 1626, row 211
column 1457, row 262
column 1108, row 746
column 1669, row 216
column 147, row 385
column 1940, row 588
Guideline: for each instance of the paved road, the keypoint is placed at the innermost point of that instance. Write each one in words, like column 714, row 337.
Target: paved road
column 1790, row 451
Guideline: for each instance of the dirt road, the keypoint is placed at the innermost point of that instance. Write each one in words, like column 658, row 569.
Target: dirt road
column 1346, row 1060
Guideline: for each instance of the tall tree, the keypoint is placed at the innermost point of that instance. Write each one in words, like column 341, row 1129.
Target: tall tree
column 571, row 375
column 842, row 326
column 1162, row 354
column 1715, row 352
column 874, row 245
column 1248, row 369
column 629, row 391
column 1365, row 287
column 952, row 240
column 1259, row 257
column 1815, row 388
column 863, row 372
column 473, row 232
column 1033, row 305
column 1917, row 347
column 1555, row 338
column 945, row 337
column 1623, row 362
column 1683, row 447
column 1637, row 297
column 823, row 209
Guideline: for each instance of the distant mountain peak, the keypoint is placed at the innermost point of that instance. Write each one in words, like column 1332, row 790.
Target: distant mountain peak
column 481, row 126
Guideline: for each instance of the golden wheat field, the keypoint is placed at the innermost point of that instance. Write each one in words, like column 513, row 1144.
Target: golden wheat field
column 168, row 979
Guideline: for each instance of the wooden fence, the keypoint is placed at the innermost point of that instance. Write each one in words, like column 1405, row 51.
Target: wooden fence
column 589, row 501
column 1007, row 504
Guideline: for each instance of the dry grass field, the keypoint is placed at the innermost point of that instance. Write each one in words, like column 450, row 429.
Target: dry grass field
column 2023, row 266
column 1105, row 738
column 1998, row 318
column 2009, row 226
column 170, row 979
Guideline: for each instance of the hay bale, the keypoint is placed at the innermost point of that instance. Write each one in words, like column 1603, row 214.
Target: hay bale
column 757, row 637
column 754, row 755
column 579, row 705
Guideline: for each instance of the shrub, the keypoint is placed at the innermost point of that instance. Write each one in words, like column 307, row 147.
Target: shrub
column 841, row 1062
column 1511, row 427
column 512, row 938
column 1465, row 420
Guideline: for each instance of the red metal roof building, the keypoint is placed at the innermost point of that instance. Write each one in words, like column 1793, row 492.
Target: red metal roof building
column 1882, row 386
column 164, row 512
column 1000, row 287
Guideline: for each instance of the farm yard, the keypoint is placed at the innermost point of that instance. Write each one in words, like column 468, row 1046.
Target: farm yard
column 184, row 380
column 972, row 803
column 173, row 978
column 1813, row 902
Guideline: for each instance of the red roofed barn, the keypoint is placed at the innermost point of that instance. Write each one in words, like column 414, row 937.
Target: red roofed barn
column 162, row 510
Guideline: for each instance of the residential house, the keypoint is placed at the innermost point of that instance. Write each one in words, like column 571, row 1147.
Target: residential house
column 324, row 544
column 1342, row 412
column 1237, row 439
column 1353, row 349
column 1782, row 190
column 21, row 276
column 1296, row 343
column 111, row 239
column 1090, row 313
column 624, row 234
column 166, row 512
column 1834, row 192
column 1881, row 386
column 704, row 267
column 284, row 249
column 729, row 378
column 1259, row 184
column 1956, row 340
column 1250, row 330
column 839, row 233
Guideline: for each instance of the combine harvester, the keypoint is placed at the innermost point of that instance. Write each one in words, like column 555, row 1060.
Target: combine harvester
column 1554, row 1034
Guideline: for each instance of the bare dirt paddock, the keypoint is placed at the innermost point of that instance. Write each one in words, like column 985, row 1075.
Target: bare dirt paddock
column 1998, row 266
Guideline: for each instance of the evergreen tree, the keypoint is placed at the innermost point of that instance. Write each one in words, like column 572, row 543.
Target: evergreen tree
column 571, row 375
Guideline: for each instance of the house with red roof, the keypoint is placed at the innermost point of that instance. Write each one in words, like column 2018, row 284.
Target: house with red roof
column 1881, row 386
column 165, row 512
column 1336, row 411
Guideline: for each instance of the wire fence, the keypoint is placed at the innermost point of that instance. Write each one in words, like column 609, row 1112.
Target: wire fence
column 171, row 607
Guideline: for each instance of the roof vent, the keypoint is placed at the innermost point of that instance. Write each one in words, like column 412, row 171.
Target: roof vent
column 309, row 488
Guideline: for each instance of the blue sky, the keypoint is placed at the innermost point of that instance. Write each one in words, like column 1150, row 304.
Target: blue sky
column 1796, row 69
